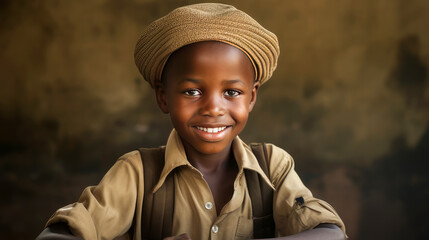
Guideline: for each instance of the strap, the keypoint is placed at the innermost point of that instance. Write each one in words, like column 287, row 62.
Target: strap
column 158, row 207
column 261, row 195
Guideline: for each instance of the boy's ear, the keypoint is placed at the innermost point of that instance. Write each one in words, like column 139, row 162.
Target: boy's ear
column 161, row 97
column 254, row 95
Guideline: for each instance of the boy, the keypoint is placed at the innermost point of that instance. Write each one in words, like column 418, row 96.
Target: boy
column 206, row 63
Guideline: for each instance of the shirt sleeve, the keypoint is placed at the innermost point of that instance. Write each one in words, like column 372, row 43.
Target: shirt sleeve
column 295, row 208
column 107, row 210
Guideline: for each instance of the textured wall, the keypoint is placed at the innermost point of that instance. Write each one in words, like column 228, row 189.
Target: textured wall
column 349, row 100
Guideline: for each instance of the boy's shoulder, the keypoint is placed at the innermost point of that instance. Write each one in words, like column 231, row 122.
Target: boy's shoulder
column 130, row 156
column 275, row 152
column 135, row 155
column 279, row 161
column 134, row 158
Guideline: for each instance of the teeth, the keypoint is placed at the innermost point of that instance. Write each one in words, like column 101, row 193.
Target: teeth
column 211, row 130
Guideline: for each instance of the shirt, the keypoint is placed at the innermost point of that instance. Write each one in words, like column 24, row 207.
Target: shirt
column 111, row 208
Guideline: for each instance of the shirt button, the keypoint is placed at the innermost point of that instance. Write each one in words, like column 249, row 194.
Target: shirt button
column 215, row 229
column 208, row 205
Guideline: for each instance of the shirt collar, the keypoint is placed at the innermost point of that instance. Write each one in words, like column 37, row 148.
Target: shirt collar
column 247, row 160
column 175, row 156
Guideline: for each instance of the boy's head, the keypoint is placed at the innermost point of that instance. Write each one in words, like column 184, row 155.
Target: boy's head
column 206, row 62
column 209, row 89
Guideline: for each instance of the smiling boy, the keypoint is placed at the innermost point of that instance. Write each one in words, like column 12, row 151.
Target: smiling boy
column 208, row 89
column 206, row 63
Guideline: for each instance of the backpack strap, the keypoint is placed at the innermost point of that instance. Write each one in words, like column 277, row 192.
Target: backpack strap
column 261, row 194
column 158, row 207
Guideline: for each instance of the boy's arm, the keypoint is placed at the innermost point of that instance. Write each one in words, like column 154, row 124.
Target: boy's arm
column 107, row 210
column 296, row 212
column 323, row 231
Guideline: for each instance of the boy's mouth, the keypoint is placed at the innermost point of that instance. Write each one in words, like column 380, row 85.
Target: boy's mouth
column 212, row 134
column 212, row 130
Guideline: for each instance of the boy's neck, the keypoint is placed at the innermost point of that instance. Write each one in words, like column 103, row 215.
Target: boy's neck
column 209, row 163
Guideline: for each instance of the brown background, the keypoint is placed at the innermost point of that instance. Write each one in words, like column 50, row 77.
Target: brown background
column 349, row 100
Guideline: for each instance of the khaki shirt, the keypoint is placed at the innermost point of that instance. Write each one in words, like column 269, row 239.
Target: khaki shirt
column 109, row 209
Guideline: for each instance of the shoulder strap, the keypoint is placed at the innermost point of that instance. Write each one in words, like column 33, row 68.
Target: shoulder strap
column 261, row 194
column 158, row 207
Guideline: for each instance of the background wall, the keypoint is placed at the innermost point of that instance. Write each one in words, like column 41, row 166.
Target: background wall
column 349, row 100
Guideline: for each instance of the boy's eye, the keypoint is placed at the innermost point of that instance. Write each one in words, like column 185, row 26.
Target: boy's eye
column 232, row 93
column 192, row 92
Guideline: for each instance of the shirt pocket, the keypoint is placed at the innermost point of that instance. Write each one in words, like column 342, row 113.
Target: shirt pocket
column 244, row 228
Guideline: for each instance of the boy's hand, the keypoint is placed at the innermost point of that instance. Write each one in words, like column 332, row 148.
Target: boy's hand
column 183, row 236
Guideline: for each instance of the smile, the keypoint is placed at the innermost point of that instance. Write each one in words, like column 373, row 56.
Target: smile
column 211, row 130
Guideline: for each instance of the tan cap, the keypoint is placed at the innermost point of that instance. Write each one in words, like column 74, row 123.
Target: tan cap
column 205, row 22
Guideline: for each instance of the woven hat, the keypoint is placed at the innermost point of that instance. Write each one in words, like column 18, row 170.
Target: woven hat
column 205, row 22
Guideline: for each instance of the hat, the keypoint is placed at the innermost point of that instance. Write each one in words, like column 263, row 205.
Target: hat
column 205, row 22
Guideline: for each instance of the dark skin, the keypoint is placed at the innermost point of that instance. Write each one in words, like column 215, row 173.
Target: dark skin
column 221, row 181
column 208, row 89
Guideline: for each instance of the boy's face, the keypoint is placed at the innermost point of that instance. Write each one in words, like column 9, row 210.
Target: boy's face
column 209, row 90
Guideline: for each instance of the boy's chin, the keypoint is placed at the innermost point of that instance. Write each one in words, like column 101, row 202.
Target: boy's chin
column 210, row 148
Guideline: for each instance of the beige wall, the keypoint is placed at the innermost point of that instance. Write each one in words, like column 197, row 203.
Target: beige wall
column 349, row 100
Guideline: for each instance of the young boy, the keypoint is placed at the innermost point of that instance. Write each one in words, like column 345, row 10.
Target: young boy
column 206, row 63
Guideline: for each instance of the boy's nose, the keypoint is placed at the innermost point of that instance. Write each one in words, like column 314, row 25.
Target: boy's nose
column 212, row 106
